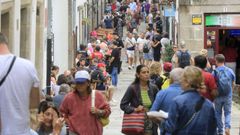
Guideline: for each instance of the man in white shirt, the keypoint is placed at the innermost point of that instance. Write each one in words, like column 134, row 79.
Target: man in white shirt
column 130, row 44
column 140, row 43
column 18, row 93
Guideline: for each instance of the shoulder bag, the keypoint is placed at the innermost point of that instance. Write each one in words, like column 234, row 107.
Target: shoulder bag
column 197, row 108
column 103, row 121
column 9, row 70
column 133, row 123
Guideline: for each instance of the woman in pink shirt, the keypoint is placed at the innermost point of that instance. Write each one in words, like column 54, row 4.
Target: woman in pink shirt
column 77, row 111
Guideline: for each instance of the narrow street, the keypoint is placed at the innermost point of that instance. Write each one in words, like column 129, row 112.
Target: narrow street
column 125, row 79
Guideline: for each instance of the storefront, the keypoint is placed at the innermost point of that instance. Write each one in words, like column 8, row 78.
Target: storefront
column 222, row 35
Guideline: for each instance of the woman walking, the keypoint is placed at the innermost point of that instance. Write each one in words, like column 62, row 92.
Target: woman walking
column 139, row 97
column 77, row 110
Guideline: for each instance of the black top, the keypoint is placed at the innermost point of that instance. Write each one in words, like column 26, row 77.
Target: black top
column 116, row 55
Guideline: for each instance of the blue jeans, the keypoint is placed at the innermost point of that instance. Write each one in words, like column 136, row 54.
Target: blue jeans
column 114, row 76
column 223, row 103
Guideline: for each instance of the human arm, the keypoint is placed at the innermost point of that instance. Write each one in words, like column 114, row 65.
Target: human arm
column 170, row 124
column 157, row 102
column 126, row 100
column 155, row 44
column 102, row 108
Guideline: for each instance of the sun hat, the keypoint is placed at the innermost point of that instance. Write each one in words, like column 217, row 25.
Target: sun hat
column 82, row 76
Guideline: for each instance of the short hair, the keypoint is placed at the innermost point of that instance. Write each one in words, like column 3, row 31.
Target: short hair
column 64, row 88
column 176, row 74
column 165, row 35
column 200, row 61
column 98, row 48
column 54, row 67
column 3, row 39
column 220, row 58
column 182, row 45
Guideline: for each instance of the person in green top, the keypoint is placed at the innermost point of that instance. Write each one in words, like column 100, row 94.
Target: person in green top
column 139, row 97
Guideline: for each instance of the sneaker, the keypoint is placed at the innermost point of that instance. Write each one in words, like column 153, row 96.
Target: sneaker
column 129, row 67
column 132, row 66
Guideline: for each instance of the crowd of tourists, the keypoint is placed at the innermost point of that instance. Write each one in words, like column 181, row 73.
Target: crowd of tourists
column 193, row 91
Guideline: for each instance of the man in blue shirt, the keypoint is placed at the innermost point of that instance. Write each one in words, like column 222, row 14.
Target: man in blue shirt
column 165, row 97
column 224, row 77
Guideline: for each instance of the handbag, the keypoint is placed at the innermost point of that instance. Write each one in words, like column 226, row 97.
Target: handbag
column 9, row 70
column 103, row 121
column 133, row 123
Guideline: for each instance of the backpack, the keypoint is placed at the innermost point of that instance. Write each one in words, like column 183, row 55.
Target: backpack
column 165, row 82
column 184, row 59
column 224, row 82
column 95, row 75
column 146, row 49
column 156, row 80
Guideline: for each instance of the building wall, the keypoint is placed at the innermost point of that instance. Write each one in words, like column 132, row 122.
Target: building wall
column 22, row 33
column 60, row 30
column 193, row 35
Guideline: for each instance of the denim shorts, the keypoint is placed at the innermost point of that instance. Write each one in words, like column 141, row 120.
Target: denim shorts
column 147, row 56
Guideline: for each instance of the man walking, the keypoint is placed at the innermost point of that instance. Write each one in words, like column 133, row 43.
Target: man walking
column 225, row 79
column 210, row 83
column 18, row 90
column 164, row 98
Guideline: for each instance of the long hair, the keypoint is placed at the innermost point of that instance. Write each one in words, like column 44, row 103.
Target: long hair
column 138, row 70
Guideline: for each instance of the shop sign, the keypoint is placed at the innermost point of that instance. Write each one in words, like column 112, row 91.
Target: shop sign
column 197, row 19
column 227, row 20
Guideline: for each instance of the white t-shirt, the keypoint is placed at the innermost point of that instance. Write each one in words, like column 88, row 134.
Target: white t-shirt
column 140, row 43
column 150, row 17
column 14, row 95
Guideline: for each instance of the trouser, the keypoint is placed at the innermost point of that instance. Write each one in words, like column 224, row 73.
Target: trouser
column 223, row 103
column 114, row 76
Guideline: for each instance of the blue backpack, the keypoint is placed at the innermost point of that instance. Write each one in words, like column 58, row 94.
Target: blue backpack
column 224, row 82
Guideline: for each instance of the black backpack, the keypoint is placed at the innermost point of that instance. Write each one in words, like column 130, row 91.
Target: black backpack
column 146, row 49
column 184, row 59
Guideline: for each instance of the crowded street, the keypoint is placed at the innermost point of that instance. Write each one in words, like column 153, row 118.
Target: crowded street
column 119, row 67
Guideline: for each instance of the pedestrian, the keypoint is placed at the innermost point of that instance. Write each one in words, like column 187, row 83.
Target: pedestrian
column 164, row 42
column 130, row 44
column 97, row 55
column 19, row 90
column 140, row 43
column 157, row 48
column 225, row 79
column 211, row 88
column 183, row 56
column 63, row 91
column 150, row 20
column 115, row 63
column 174, row 57
column 148, row 51
column 164, row 98
column 155, row 74
column 182, row 118
column 167, row 68
column 49, row 120
column 77, row 110
column 211, row 63
column 139, row 97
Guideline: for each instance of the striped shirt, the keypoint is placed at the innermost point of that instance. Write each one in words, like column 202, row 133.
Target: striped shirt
column 145, row 99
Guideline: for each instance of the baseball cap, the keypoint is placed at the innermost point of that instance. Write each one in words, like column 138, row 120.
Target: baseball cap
column 101, row 65
column 82, row 76
column 167, row 67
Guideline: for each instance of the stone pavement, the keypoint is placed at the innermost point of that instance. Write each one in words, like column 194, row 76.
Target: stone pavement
column 125, row 78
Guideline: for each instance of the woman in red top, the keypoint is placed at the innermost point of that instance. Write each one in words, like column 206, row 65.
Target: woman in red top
column 77, row 111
